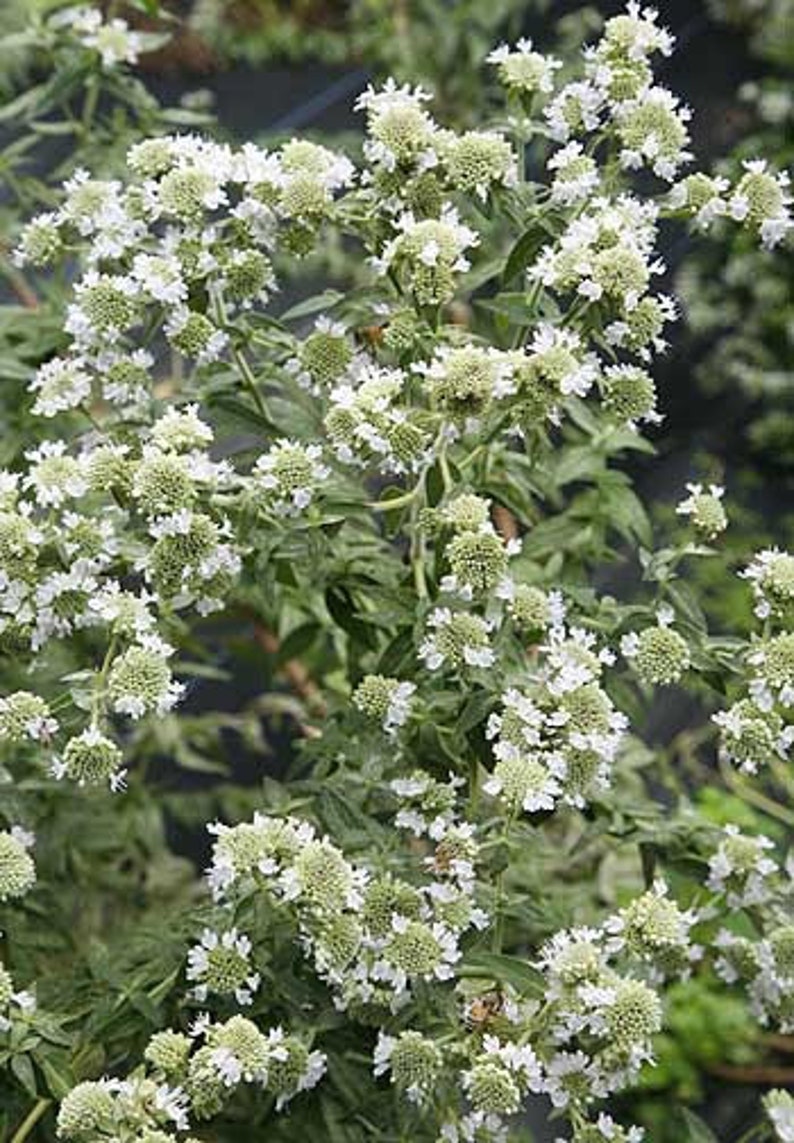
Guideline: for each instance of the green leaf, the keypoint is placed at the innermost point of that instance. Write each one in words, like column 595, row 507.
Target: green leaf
column 23, row 103
column 23, row 1070
column 697, row 1130
column 397, row 653
column 524, row 252
column 515, row 307
column 506, row 970
column 299, row 640
column 324, row 301
column 59, row 1078
column 477, row 708
column 344, row 612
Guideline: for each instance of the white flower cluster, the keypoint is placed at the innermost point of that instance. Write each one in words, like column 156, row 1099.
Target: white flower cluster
column 604, row 1010
column 236, row 1051
column 108, row 1107
column 192, row 1077
column 15, row 1004
column 220, row 965
column 586, row 1042
column 765, row 967
column 17, row 868
column 322, row 357
column 288, row 476
column 465, row 381
column 428, row 253
column 370, row 422
column 114, row 40
column 761, row 200
column 385, row 699
column 98, row 540
column 556, row 740
column 659, row 654
column 370, row 938
column 742, row 871
column 496, row 1085
column 457, row 639
column 705, row 509
column 404, row 142
column 606, row 254
column 779, row 1106
column 757, row 729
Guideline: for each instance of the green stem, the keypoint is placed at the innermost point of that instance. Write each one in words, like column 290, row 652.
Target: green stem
column 394, row 501
column 99, row 689
column 755, row 1132
column 474, row 785
column 30, row 1120
column 418, row 566
column 443, row 464
column 89, row 105
column 785, row 779
column 498, row 931
column 250, row 383
column 749, row 794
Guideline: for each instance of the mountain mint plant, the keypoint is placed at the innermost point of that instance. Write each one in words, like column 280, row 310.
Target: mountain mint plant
column 416, row 501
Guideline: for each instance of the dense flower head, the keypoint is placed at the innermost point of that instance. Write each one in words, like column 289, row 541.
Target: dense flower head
column 17, row 868
column 91, row 758
column 385, row 699
column 533, row 610
column 779, row 1107
column 458, row 639
column 24, row 715
column 413, row 1061
column 742, row 869
column 659, row 654
column 168, row 1052
column 652, row 132
column 477, row 160
column 762, row 199
column 772, row 576
column 773, row 666
column 140, row 680
column 220, row 964
column 323, row 356
column 400, row 127
column 629, row 393
column 87, row 1109
column 523, row 70
column 288, row 476
column 705, row 509
column 429, row 253
column 654, row 929
column 750, row 736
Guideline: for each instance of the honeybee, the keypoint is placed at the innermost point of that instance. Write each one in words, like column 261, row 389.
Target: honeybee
column 482, row 1010
column 371, row 335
